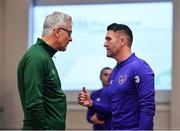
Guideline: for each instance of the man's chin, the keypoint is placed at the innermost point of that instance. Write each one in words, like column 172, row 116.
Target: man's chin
column 62, row 49
column 108, row 55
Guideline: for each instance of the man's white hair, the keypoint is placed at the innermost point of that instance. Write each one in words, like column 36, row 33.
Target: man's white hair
column 54, row 20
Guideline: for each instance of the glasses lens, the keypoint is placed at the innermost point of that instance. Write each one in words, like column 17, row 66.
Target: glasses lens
column 67, row 31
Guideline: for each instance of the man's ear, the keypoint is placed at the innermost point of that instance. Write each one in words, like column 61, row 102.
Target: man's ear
column 123, row 40
column 56, row 31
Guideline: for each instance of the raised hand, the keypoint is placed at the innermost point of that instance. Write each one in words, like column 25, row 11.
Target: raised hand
column 84, row 98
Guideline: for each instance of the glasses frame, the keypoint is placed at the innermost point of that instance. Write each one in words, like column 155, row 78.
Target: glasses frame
column 69, row 32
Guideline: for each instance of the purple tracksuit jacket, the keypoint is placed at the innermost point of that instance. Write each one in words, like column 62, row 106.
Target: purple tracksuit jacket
column 132, row 96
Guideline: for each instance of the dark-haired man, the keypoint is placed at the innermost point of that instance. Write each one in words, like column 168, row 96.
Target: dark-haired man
column 131, row 90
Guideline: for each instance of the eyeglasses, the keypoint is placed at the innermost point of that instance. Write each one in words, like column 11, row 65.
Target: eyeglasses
column 69, row 32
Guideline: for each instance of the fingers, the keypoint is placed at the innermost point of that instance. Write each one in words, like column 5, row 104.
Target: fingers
column 95, row 120
column 84, row 90
column 82, row 96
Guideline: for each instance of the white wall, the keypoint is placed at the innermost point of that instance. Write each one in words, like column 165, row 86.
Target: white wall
column 13, row 44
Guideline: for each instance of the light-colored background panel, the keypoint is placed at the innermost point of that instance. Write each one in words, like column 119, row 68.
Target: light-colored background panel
column 76, row 117
column 162, row 117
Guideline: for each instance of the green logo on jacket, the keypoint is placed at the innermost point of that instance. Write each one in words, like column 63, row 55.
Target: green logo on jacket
column 53, row 72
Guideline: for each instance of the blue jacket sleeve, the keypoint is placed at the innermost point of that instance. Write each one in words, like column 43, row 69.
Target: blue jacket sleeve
column 146, row 95
column 89, row 115
column 101, row 108
column 90, row 112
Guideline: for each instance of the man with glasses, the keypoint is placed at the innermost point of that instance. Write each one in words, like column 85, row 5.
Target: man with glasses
column 43, row 101
column 100, row 121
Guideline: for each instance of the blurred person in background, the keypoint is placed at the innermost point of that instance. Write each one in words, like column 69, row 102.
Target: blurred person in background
column 100, row 121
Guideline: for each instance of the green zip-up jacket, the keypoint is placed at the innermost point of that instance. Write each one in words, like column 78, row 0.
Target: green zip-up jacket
column 43, row 101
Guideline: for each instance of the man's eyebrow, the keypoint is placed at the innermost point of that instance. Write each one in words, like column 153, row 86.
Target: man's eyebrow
column 107, row 38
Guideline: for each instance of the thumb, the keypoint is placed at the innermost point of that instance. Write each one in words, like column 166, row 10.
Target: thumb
column 84, row 90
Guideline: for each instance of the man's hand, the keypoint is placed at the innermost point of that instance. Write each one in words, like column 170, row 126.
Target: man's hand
column 94, row 119
column 84, row 98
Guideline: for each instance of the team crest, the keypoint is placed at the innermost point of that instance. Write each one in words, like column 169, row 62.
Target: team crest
column 122, row 79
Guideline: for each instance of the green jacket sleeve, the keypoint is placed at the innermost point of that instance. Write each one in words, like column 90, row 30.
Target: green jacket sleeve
column 34, row 75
